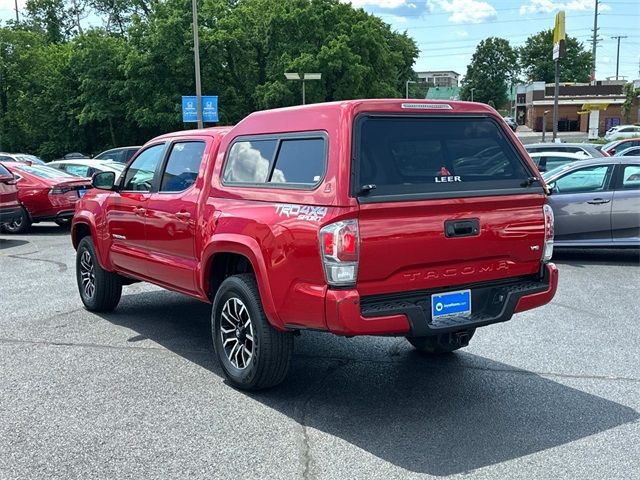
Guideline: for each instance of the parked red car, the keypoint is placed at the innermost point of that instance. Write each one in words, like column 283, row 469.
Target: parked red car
column 618, row 145
column 44, row 194
column 419, row 219
column 9, row 204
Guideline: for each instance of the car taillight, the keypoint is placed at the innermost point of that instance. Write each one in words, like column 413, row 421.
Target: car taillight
column 58, row 190
column 340, row 245
column 548, row 233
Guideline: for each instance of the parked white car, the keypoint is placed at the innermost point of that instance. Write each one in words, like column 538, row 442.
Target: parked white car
column 20, row 157
column 86, row 167
column 547, row 161
column 622, row 131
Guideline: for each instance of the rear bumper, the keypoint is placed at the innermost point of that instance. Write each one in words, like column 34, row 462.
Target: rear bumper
column 9, row 214
column 410, row 313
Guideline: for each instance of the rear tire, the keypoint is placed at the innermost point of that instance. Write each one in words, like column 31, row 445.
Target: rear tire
column 252, row 354
column 443, row 343
column 100, row 291
column 20, row 224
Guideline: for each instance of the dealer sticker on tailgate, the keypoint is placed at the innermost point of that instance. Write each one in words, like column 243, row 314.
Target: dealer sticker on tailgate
column 451, row 303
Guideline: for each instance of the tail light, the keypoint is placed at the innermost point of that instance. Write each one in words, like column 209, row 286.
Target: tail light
column 340, row 246
column 548, row 233
column 58, row 190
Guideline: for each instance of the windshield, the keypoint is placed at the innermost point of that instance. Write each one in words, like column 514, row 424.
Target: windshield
column 42, row 171
column 434, row 155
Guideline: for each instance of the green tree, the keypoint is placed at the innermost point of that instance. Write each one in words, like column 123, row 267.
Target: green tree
column 536, row 59
column 493, row 67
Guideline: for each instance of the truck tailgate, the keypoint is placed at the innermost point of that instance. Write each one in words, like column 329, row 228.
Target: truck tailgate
column 404, row 245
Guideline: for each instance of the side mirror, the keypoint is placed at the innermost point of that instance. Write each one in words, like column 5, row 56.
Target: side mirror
column 103, row 180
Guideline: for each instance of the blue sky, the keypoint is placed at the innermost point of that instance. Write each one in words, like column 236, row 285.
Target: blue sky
column 447, row 31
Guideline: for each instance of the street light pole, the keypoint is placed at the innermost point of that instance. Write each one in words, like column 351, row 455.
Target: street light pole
column 196, row 54
column 17, row 17
column 406, row 88
column 472, row 93
column 304, row 77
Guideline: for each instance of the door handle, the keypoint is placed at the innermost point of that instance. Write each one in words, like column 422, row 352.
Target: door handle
column 183, row 215
column 462, row 228
column 140, row 211
column 598, row 201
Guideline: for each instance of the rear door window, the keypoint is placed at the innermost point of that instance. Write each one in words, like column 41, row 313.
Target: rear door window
column 182, row 166
column 631, row 177
column 414, row 156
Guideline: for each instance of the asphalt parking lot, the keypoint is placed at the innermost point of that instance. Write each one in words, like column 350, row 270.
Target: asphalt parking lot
column 554, row 393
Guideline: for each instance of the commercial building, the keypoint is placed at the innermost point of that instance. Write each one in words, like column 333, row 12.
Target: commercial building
column 582, row 107
column 439, row 78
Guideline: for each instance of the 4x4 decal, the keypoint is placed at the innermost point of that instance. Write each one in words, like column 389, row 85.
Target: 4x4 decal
column 301, row 212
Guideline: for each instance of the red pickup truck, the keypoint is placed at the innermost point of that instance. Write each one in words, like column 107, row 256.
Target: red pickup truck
column 365, row 217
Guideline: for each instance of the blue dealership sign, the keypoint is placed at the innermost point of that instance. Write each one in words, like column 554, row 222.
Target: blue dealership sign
column 209, row 109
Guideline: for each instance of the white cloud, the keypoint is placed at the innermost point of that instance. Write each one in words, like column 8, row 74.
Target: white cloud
column 398, row 19
column 548, row 6
column 604, row 59
column 11, row 4
column 465, row 11
column 372, row 3
column 462, row 33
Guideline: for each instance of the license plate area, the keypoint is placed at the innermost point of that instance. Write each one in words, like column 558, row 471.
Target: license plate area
column 451, row 304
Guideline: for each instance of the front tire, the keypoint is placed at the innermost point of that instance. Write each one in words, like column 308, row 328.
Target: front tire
column 252, row 354
column 443, row 343
column 100, row 291
column 20, row 224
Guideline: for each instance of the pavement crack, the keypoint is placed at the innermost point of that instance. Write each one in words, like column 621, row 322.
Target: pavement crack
column 310, row 393
column 62, row 267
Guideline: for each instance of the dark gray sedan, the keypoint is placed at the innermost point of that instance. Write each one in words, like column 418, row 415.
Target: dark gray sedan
column 596, row 203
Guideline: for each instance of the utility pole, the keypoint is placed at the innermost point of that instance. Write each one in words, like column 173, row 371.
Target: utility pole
column 618, row 54
column 17, row 16
column 594, row 41
column 196, row 54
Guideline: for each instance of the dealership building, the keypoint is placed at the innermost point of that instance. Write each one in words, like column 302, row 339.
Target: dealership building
column 582, row 107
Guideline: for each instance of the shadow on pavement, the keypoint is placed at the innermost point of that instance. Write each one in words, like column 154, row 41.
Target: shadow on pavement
column 10, row 243
column 47, row 228
column 597, row 256
column 437, row 416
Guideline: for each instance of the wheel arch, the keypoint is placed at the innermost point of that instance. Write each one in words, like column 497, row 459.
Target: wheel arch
column 228, row 254
column 83, row 226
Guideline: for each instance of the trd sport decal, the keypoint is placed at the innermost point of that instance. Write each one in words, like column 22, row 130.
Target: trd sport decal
column 301, row 212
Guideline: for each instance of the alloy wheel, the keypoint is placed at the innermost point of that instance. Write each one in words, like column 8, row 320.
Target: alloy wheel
column 87, row 274
column 236, row 331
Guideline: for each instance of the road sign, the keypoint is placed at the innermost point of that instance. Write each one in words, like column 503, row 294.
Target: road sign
column 209, row 109
column 559, row 36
